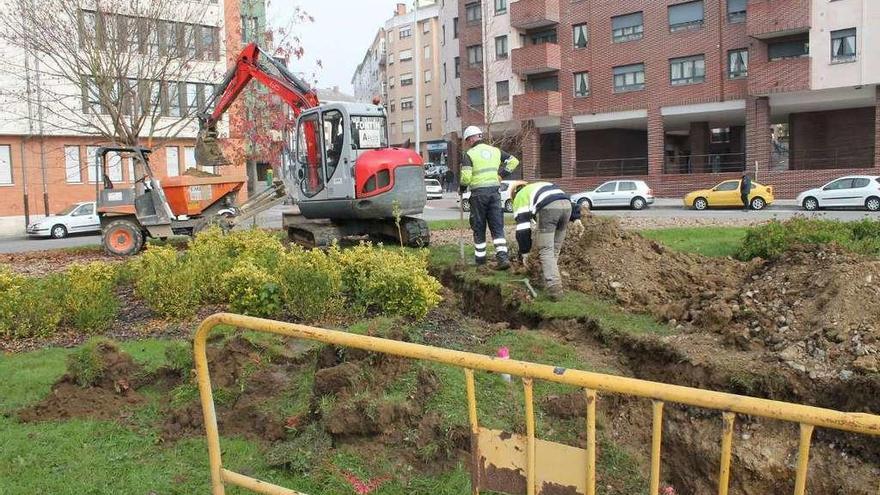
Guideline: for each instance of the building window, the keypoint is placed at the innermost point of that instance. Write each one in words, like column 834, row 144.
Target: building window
column 426, row 27
column 843, row 45
column 406, row 103
column 686, row 16
column 172, row 161
column 581, row 84
column 406, row 127
column 406, row 79
column 579, row 35
column 172, row 97
column 501, row 47
column 114, row 166
column 738, row 63
column 736, row 11
column 687, row 70
column 720, row 135
column 445, row 109
column 92, row 101
column 627, row 27
column 629, row 78
column 457, row 67
column 71, row 165
column 392, row 105
column 445, row 76
column 91, row 163
column 502, row 90
column 391, row 58
column 429, row 100
column 5, row 164
column 540, row 37
column 791, row 48
column 210, row 46
column 500, row 7
column 458, row 106
column 405, row 55
column 192, row 97
column 455, row 28
column 404, row 32
column 391, row 82
column 542, row 83
column 475, row 96
column 475, row 55
column 427, row 76
column 427, row 52
column 429, row 124
column 473, row 13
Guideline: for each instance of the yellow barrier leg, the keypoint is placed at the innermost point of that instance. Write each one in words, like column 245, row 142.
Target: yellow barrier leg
column 656, row 437
column 726, row 445
column 471, row 389
column 800, row 482
column 208, row 411
column 530, row 432
column 591, row 442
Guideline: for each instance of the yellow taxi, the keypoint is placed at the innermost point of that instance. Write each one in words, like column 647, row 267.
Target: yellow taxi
column 726, row 194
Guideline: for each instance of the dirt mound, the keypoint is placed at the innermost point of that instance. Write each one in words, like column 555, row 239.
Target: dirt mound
column 641, row 274
column 51, row 261
column 100, row 383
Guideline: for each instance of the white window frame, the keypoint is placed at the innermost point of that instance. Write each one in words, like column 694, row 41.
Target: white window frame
column 172, row 165
column 696, row 64
column 72, row 164
column 581, row 76
column 6, row 176
column 189, row 158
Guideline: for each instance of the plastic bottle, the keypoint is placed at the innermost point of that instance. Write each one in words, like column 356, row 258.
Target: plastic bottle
column 504, row 353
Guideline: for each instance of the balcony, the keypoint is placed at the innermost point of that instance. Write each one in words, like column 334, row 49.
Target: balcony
column 774, row 18
column 530, row 14
column 535, row 104
column 535, row 59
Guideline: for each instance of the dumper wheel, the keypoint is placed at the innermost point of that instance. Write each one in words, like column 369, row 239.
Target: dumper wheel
column 122, row 238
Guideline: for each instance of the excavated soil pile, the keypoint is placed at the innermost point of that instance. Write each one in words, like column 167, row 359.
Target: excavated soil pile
column 109, row 395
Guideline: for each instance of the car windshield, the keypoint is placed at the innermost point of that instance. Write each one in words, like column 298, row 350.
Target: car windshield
column 68, row 210
column 432, row 182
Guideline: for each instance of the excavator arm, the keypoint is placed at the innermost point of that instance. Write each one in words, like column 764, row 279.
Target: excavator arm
column 249, row 65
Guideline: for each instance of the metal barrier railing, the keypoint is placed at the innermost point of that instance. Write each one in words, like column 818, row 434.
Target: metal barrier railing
column 807, row 417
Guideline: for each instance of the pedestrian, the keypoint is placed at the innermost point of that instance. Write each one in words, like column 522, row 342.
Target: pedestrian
column 270, row 178
column 552, row 210
column 450, row 178
column 745, row 188
column 482, row 168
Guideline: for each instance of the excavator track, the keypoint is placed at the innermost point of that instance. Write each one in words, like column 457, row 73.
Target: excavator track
column 413, row 232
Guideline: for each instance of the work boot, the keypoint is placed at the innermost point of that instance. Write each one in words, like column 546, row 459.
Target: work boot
column 503, row 262
column 555, row 292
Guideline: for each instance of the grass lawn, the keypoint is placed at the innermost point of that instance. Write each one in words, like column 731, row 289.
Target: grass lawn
column 708, row 241
column 455, row 224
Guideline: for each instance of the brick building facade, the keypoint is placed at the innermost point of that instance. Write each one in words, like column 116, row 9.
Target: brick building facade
column 686, row 93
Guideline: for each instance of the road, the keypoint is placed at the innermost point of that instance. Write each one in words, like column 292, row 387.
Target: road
column 447, row 209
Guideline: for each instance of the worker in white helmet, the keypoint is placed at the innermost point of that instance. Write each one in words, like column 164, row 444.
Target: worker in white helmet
column 482, row 168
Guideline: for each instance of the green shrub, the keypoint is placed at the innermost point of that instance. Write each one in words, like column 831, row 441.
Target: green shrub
column 167, row 282
column 775, row 238
column 86, row 365
column 89, row 302
column 311, row 285
column 29, row 306
column 251, row 290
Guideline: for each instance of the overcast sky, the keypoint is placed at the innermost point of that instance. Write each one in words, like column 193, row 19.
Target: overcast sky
column 339, row 37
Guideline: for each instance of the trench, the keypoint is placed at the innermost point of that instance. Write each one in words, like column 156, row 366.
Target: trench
column 765, row 451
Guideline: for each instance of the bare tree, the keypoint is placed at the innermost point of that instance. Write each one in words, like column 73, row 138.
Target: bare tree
column 120, row 70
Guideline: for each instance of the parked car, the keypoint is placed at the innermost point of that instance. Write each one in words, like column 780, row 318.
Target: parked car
column 634, row 194
column 433, row 189
column 726, row 194
column 508, row 190
column 852, row 191
column 76, row 218
column 433, row 171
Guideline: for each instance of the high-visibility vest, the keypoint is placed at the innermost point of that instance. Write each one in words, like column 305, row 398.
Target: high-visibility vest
column 486, row 165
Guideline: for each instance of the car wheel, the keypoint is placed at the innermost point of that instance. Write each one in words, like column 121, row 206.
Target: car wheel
column 701, row 204
column 585, row 201
column 466, row 205
column 122, row 238
column 758, row 203
column 872, row 203
column 59, row 231
column 638, row 203
column 811, row 204
column 508, row 206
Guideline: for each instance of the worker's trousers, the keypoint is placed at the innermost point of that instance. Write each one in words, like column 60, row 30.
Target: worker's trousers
column 552, row 224
column 486, row 210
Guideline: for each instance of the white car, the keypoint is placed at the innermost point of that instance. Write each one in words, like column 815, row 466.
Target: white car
column 76, row 218
column 852, row 191
column 633, row 194
column 433, row 189
column 508, row 189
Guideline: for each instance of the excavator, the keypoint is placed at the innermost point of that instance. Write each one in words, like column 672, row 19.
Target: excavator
column 337, row 168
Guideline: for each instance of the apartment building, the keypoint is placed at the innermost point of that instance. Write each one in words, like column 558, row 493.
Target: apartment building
column 368, row 80
column 450, row 82
column 47, row 160
column 413, row 81
column 679, row 93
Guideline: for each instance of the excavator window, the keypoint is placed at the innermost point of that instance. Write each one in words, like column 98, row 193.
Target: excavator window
column 334, row 139
column 308, row 154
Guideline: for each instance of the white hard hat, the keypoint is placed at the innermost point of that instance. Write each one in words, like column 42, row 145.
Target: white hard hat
column 472, row 131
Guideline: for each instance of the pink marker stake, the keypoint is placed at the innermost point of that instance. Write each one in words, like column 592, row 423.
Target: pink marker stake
column 504, row 353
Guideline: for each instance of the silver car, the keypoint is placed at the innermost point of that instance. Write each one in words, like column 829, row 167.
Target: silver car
column 621, row 193
column 76, row 218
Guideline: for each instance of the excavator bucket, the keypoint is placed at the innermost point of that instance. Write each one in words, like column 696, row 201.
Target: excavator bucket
column 208, row 152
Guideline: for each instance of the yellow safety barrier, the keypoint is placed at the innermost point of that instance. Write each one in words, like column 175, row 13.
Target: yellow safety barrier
column 660, row 393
